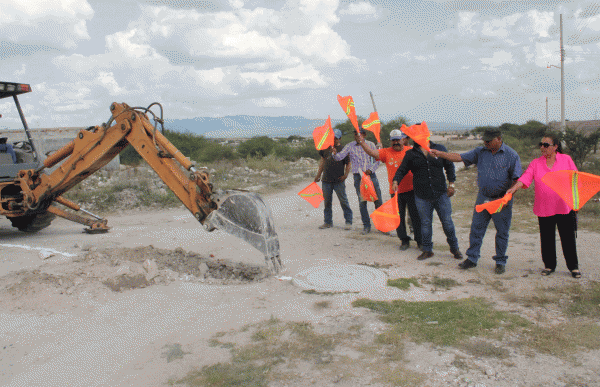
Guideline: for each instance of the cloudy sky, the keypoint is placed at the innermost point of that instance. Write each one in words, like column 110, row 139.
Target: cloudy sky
column 468, row 62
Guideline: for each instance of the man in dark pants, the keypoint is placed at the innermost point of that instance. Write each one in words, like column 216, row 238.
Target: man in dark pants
column 361, row 162
column 431, row 194
column 498, row 168
column 392, row 157
column 334, row 179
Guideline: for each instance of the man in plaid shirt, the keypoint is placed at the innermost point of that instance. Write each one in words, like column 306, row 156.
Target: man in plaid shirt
column 361, row 162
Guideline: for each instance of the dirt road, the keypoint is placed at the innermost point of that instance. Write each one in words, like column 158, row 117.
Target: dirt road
column 62, row 324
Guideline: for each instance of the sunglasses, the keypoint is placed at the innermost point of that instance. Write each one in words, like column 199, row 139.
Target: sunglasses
column 545, row 144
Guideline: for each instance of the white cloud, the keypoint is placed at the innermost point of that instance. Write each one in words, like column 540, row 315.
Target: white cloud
column 500, row 58
column 362, row 8
column 107, row 79
column 61, row 23
column 269, row 102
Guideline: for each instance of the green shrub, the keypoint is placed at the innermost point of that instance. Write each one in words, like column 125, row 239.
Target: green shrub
column 256, row 147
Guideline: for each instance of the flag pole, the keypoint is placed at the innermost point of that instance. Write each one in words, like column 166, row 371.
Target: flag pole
column 379, row 145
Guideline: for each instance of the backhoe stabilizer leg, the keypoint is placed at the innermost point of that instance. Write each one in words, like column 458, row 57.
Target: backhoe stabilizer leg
column 246, row 216
column 94, row 226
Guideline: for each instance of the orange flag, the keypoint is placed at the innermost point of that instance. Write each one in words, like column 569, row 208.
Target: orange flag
column 495, row 205
column 312, row 194
column 374, row 125
column 367, row 188
column 419, row 134
column 574, row 187
column 323, row 135
column 387, row 217
column 347, row 103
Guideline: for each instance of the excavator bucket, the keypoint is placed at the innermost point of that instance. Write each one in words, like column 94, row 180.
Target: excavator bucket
column 246, row 216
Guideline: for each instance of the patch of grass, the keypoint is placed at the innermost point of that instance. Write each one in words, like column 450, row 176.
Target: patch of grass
column 443, row 322
column 322, row 305
column 229, row 374
column 443, row 283
column 398, row 376
column 564, row 339
column 482, row 348
column 403, row 283
column 376, row 265
column 326, row 293
column 585, row 301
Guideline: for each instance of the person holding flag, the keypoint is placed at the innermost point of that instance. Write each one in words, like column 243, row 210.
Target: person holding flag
column 334, row 179
column 551, row 209
column 361, row 162
column 392, row 157
column 498, row 168
column 431, row 193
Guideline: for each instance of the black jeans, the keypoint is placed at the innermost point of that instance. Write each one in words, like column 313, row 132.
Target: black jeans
column 567, row 226
column 407, row 199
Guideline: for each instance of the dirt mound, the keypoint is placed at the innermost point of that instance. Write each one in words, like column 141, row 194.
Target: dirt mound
column 94, row 276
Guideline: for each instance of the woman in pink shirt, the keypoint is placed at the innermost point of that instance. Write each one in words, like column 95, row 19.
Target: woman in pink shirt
column 552, row 211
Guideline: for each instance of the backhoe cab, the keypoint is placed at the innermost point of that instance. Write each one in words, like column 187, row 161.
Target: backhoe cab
column 28, row 195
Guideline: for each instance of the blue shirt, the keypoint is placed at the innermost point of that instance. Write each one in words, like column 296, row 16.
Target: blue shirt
column 495, row 172
column 7, row 148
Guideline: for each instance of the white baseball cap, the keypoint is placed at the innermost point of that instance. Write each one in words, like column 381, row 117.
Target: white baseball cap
column 397, row 135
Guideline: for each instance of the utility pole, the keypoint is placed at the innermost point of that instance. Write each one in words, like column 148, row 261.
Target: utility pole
column 546, row 111
column 562, row 78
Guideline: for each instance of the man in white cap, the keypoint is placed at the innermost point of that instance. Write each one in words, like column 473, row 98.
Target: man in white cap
column 334, row 176
column 392, row 157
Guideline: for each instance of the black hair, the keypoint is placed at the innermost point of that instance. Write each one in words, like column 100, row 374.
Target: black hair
column 555, row 137
column 3, row 140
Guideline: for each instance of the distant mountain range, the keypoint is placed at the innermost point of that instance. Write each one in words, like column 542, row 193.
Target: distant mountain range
column 284, row 126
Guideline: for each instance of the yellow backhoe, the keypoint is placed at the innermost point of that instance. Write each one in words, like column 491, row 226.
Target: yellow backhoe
column 29, row 196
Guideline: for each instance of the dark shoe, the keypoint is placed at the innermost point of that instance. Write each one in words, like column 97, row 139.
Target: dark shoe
column 547, row 272
column 404, row 246
column 500, row 269
column 575, row 273
column 419, row 246
column 424, row 255
column 348, row 226
column 365, row 231
column 325, row 225
column 467, row 264
column 457, row 254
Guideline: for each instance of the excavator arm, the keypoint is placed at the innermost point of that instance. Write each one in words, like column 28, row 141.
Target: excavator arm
column 239, row 213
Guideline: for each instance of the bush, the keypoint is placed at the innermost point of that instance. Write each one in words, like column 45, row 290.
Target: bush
column 256, row 147
column 579, row 146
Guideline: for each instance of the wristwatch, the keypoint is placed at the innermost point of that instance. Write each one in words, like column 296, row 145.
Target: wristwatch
column 451, row 185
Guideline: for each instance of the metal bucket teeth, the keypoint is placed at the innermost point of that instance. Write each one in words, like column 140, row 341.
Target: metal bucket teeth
column 246, row 216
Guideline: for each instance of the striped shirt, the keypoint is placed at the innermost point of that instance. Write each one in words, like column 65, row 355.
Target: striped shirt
column 360, row 160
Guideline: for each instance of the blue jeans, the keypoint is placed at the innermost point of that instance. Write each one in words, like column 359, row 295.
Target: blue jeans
column 407, row 199
column 340, row 190
column 479, row 225
column 362, row 204
column 443, row 207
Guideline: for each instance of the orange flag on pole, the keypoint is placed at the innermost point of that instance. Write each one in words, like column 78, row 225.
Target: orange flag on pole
column 574, row 187
column 495, row 205
column 347, row 103
column 374, row 125
column 419, row 134
column 387, row 217
column 312, row 194
column 323, row 135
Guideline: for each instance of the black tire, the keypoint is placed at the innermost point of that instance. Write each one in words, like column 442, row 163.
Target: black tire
column 32, row 223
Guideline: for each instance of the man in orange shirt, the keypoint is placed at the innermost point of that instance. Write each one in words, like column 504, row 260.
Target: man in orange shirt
column 392, row 157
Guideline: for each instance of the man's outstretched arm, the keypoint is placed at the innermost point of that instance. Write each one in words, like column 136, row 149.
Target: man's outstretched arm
column 455, row 157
